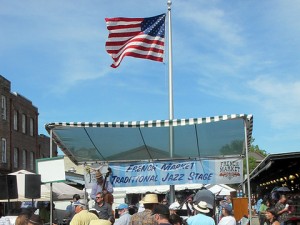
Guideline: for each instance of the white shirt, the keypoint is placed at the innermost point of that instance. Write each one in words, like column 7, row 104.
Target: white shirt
column 227, row 220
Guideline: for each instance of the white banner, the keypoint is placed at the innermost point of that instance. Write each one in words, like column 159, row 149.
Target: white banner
column 221, row 171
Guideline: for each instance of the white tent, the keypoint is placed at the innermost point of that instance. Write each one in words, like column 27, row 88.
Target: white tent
column 221, row 189
column 158, row 189
column 60, row 191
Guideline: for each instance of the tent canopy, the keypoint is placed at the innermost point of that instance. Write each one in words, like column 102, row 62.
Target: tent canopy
column 220, row 189
column 210, row 137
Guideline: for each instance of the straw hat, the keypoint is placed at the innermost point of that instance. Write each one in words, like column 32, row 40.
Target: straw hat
column 150, row 198
column 202, row 207
column 98, row 174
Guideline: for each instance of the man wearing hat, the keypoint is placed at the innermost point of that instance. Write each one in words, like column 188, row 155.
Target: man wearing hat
column 227, row 218
column 146, row 217
column 124, row 218
column 82, row 216
column 98, row 186
column 161, row 214
column 201, row 215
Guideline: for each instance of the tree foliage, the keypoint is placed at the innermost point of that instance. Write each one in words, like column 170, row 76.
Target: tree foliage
column 252, row 160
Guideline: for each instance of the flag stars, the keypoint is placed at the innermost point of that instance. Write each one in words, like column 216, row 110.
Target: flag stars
column 154, row 26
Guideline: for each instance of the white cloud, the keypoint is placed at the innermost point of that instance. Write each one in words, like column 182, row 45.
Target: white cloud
column 279, row 99
column 211, row 21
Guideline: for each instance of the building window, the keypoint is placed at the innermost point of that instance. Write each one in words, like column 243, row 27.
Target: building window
column 16, row 114
column 24, row 159
column 3, row 107
column 3, row 150
column 23, row 123
column 16, row 157
column 31, row 160
column 31, row 126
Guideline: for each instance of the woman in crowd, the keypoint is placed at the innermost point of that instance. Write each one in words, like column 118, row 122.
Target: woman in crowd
column 262, row 211
column 272, row 216
column 227, row 218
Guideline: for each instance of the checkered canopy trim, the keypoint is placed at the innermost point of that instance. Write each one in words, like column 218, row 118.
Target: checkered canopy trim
column 216, row 136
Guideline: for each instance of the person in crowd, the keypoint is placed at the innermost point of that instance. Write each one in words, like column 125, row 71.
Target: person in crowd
column 175, row 219
column 132, row 209
column 271, row 216
column 104, row 209
column 93, row 210
column 100, row 222
column 188, row 205
column 161, row 214
column 290, row 205
column 101, row 186
column 258, row 203
column 227, row 218
column 165, row 202
column 124, row 218
column 174, row 207
column 262, row 211
column 70, row 210
column 145, row 217
column 282, row 210
column 22, row 219
column 44, row 213
column 228, row 200
column 201, row 215
column 275, row 196
column 82, row 215
column 35, row 220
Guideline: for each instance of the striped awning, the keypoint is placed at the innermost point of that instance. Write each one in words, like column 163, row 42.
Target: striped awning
column 210, row 137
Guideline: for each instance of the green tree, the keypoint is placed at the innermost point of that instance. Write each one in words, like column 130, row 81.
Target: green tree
column 252, row 160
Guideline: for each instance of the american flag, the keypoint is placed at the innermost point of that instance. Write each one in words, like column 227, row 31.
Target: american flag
column 136, row 37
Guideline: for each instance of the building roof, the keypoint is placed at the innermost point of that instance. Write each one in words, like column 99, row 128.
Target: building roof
column 274, row 167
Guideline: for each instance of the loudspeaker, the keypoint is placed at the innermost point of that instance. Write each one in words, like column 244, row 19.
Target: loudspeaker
column 8, row 187
column 32, row 186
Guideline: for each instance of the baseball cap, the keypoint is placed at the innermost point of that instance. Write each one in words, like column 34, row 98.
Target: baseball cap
column 123, row 206
column 227, row 207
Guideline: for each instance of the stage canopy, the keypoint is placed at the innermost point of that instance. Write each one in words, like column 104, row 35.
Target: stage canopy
column 196, row 138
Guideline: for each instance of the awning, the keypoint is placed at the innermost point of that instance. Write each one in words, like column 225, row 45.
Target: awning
column 210, row 137
column 276, row 170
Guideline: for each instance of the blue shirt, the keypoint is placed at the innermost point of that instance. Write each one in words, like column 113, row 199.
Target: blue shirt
column 258, row 203
column 123, row 220
column 200, row 219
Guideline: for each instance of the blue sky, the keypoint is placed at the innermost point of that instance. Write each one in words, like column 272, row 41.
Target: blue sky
column 229, row 57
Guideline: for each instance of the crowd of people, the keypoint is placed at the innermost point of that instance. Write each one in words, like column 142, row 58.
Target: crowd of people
column 274, row 209
column 153, row 212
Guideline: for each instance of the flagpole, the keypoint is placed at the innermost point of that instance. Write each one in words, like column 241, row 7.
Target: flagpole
column 171, row 110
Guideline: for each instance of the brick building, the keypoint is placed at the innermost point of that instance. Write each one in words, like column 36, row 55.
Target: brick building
column 20, row 143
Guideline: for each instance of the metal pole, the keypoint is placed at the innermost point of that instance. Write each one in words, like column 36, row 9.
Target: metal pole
column 171, row 113
column 248, row 178
column 51, row 200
